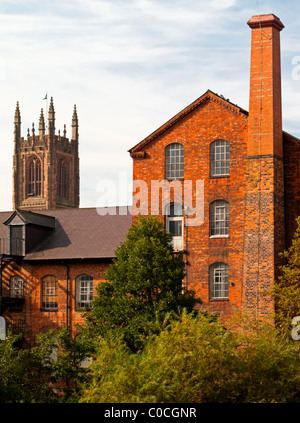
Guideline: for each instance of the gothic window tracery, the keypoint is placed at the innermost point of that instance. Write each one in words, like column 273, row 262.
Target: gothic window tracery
column 34, row 187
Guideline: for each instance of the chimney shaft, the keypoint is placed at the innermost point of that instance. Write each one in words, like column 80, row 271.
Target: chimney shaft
column 264, row 192
column 265, row 114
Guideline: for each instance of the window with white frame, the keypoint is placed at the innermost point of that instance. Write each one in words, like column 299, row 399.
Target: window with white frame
column 219, row 219
column 219, row 158
column 84, row 291
column 49, row 293
column 218, row 281
column 175, row 224
column 16, row 287
column 174, row 161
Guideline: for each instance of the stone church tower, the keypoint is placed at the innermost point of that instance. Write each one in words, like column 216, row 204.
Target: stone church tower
column 45, row 165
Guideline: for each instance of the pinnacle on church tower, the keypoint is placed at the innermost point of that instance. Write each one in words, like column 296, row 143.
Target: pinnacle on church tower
column 46, row 175
column 17, row 114
column 51, row 115
column 42, row 123
column 17, row 122
column 75, row 124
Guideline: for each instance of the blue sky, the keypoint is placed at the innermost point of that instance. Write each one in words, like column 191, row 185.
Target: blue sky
column 129, row 66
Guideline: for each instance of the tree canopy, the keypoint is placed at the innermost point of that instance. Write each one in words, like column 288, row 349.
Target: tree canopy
column 144, row 285
column 287, row 287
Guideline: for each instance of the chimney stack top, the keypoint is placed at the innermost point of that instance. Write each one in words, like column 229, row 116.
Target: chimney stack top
column 262, row 21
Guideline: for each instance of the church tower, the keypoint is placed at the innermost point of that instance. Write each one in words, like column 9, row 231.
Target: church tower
column 45, row 165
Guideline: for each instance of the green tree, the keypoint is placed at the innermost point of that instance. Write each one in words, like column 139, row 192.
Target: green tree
column 23, row 373
column 175, row 366
column 287, row 288
column 144, row 285
column 70, row 367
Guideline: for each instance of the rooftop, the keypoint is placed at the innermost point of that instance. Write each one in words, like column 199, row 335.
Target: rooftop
column 83, row 233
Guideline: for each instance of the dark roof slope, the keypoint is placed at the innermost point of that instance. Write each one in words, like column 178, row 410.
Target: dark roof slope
column 80, row 233
column 33, row 218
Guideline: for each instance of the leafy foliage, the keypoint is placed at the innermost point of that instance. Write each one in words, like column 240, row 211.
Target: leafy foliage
column 23, row 374
column 144, row 285
column 287, row 288
column 197, row 360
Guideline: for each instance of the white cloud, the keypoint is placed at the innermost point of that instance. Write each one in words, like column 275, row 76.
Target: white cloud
column 129, row 65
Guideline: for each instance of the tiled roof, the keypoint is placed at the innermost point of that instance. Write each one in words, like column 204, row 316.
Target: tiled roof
column 80, row 233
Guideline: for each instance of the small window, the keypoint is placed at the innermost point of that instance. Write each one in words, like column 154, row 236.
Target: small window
column 49, row 293
column 219, row 218
column 218, row 278
column 219, row 158
column 16, row 287
column 175, row 224
column 63, row 179
column 34, row 178
column 84, row 291
column 16, row 241
column 174, row 161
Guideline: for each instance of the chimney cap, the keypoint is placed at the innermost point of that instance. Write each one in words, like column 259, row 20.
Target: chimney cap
column 262, row 21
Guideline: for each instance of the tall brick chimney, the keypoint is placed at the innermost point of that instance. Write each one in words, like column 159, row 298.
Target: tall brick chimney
column 265, row 117
column 264, row 217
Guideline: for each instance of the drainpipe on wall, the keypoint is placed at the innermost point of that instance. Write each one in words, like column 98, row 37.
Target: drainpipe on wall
column 186, row 250
column 1, row 263
column 67, row 293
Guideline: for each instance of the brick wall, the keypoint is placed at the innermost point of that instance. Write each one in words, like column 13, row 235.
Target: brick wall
column 36, row 320
column 213, row 119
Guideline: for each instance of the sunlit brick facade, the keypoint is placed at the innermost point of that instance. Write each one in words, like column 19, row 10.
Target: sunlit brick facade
column 251, row 188
column 234, row 182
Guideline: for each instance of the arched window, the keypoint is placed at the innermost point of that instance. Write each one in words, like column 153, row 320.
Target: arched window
column 218, row 281
column 174, row 161
column 175, row 224
column 84, row 291
column 219, row 218
column 34, row 178
column 219, row 158
column 16, row 287
column 63, row 184
column 49, row 293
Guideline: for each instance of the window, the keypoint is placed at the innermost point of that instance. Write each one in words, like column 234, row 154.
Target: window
column 174, row 161
column 16, row 241
column 16, row 287
column 34, row 178
column 218, row 278
column 219, row 158
column 62, row 179
column 49, row 293
column 175, row 224
column 219, row 218
column 84, row 291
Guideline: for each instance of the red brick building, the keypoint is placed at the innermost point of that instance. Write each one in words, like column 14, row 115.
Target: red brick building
column 249, row 168
column 52, row 253
column 51, row 263
column 225, row 181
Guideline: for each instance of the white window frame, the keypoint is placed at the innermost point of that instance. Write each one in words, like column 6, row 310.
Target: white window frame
column 84, row 291
column 174, row 161
column 218, row 281
column 220, row 158
column 16, row 287
column 219, row 227
column 177, row 240
column 49, row 293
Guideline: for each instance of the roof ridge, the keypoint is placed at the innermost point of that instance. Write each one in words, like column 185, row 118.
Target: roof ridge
column 208, row 95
